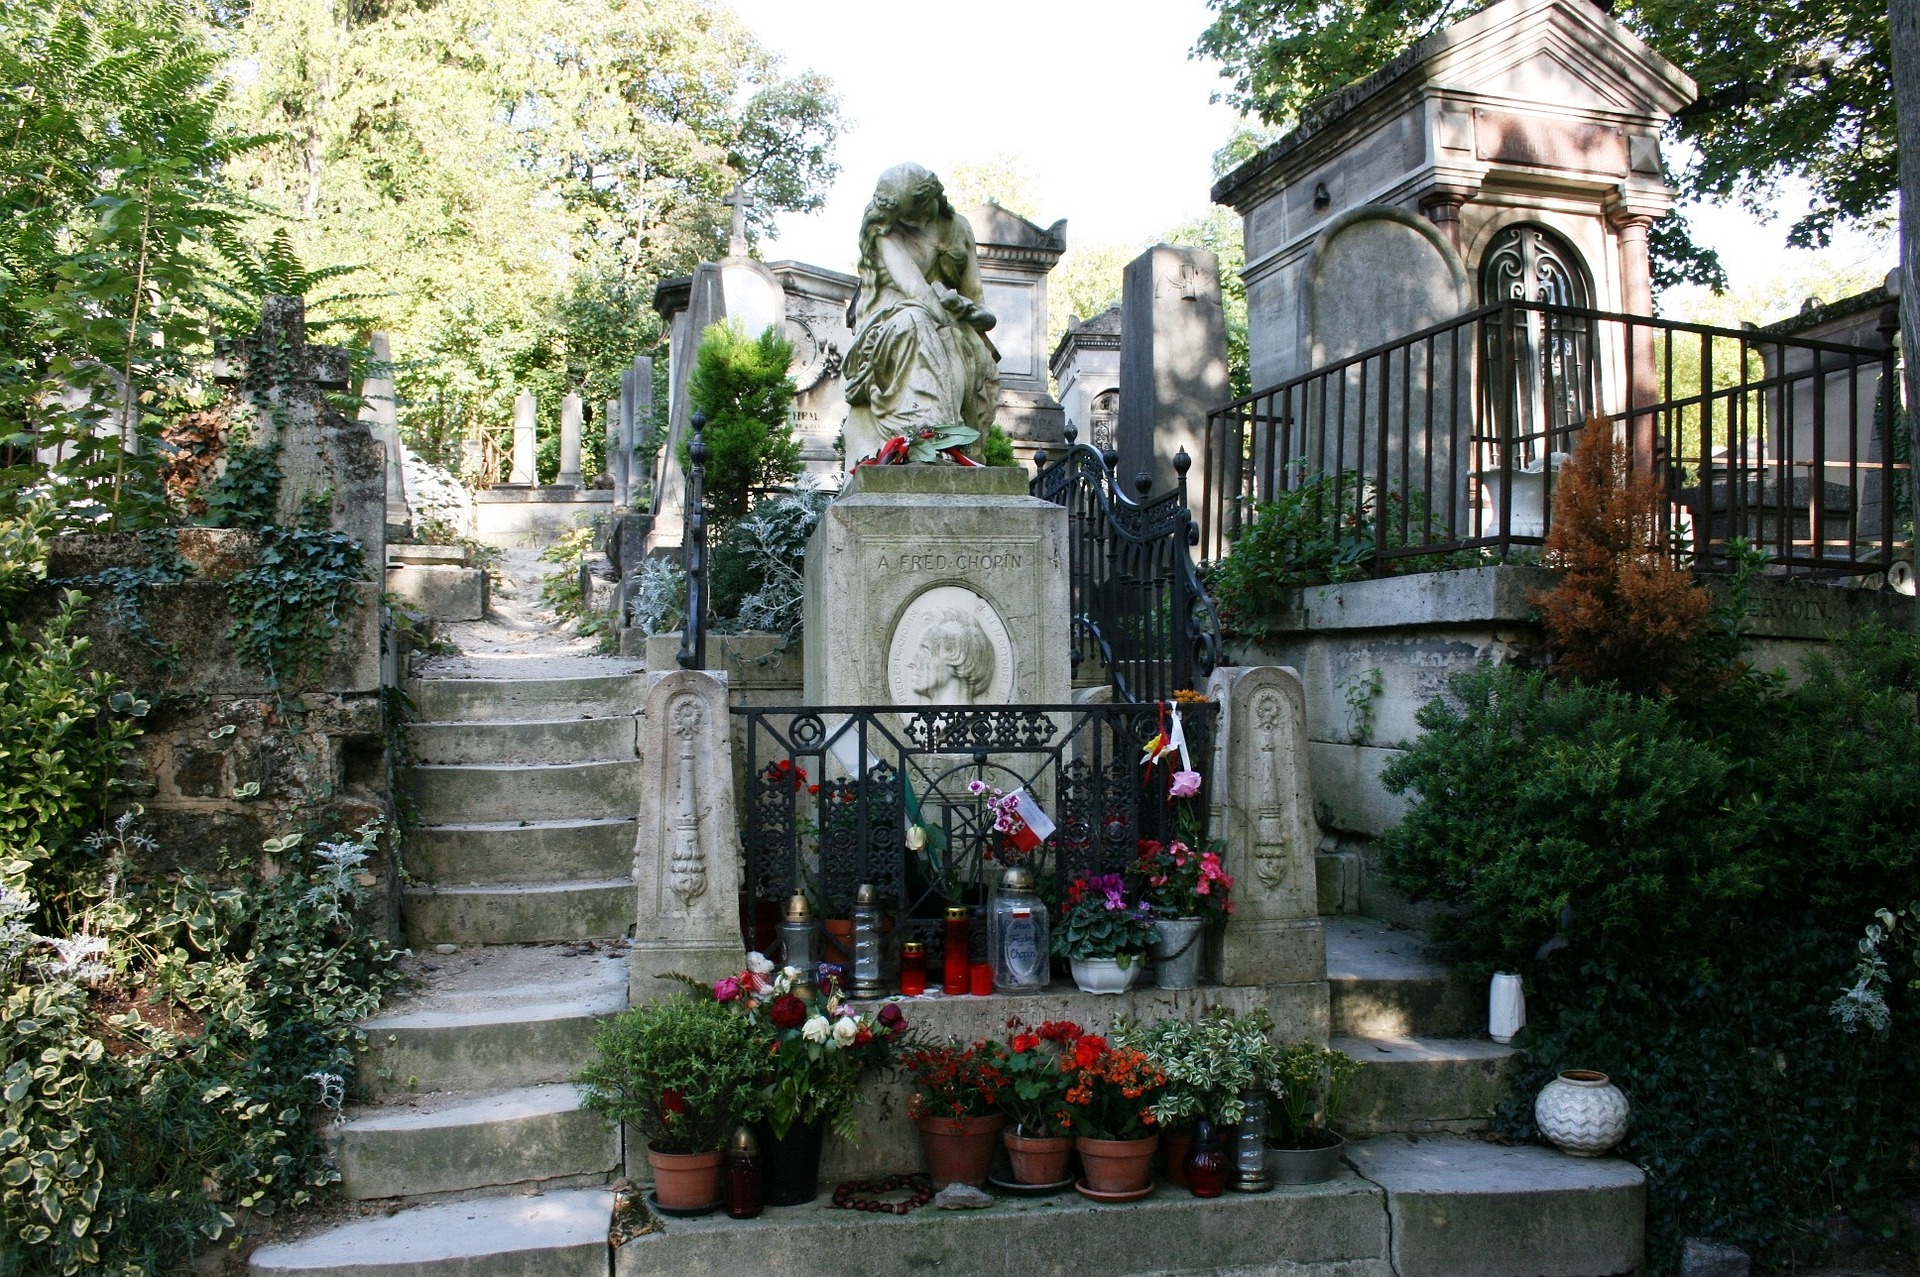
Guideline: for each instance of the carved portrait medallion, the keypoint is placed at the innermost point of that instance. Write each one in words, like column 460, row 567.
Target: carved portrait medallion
column 950, row 648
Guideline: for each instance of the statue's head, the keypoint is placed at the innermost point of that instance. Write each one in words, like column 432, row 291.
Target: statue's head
column 954, row 655
column 908, row 193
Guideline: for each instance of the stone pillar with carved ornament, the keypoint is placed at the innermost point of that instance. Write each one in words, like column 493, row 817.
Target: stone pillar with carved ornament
column 1262, row 800
column 686, row 861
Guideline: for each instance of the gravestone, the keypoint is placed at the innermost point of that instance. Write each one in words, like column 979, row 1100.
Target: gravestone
column 1015, row 257
column 690, row 306
column 379, row 408
column 525, row 442
column 1262, row 800
column 1173, row 359
column 323, row 456
column 817, row 301
column 569, row 476
column 938, row 585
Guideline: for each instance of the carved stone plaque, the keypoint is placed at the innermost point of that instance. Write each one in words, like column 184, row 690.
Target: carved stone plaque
column 950, row 648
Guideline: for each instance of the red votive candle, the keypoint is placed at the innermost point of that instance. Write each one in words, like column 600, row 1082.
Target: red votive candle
column 980, row 981
column 913, row 969
column 954, row 968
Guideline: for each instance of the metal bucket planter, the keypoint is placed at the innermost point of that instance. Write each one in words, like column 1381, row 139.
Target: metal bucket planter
column 1179, row 952
column 1305, row 1165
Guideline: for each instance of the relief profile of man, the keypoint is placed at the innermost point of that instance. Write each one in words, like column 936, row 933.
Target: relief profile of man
column 954, row 662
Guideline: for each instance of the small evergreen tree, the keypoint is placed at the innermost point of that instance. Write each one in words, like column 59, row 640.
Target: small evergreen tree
column 741, row 384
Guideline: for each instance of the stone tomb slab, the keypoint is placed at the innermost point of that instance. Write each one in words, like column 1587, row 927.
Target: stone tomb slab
column 938, row 585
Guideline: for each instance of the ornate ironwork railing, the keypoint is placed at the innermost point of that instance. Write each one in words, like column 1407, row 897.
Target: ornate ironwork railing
column 837, row 797
column 1449, row 440
column 1138, row 606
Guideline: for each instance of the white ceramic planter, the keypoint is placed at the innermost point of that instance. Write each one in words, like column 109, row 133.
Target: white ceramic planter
column 1581, row 1112
column 1104, row 975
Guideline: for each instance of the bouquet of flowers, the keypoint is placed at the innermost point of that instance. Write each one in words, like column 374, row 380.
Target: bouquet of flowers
column 955, row 1081
column 1036, row 1066
column 818, row 1046
column 1177, row 881
column 1311, row 1085
column 1111, row 1090
column 1097, row 921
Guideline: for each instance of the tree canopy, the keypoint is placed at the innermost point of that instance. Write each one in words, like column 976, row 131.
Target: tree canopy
column 1787, row 89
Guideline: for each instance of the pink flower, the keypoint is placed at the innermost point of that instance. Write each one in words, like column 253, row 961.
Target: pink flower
column 726, row 990
column 1185, row 785
column 1200, row 888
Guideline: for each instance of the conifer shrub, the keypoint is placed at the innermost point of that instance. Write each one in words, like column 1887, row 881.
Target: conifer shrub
column 741, row 384
column 1621, row 611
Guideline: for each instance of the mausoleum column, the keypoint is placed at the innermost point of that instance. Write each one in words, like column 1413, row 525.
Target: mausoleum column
column 1441, row 206
column 1636, row 298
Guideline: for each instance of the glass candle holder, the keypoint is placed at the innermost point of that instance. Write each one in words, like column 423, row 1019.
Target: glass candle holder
column 1017, row 934
column 866, row 943
column 743, row 1175
column 1206, row 1164
column 954, row 965
column 980, row 979
column 1250, row 1145
column 799, row 943
column 913, row 969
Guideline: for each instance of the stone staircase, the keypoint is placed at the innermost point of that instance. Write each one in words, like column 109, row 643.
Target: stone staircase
column 518, row 907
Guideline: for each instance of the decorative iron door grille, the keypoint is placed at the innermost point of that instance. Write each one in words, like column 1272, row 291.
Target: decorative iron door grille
column 831, row 796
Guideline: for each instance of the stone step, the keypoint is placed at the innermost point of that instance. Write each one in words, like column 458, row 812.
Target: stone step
column 521, row 851
column 1383, row 983
column 1335, row 1229
column 519, row 913
column 555, row 1234
column 454, row 1142
column 546, row 740
column 1463, row 1208
column 487, row 793
column 1425, row 1084
column 438, row 700
column 488, row 1019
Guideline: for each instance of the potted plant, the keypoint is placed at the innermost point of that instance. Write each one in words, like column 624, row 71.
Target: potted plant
column 683, row 1072
column 956, row 1107
column 1038, row 1143
column 1210, row 1065
column 819, row 1049
column 1311, row 1088
column 1111, row 1096
column 1186, row 891
column 1102, row 934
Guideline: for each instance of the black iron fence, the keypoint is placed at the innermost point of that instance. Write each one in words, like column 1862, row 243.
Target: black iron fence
column 1449, row 441
column 1139, row 609
column 837, row 797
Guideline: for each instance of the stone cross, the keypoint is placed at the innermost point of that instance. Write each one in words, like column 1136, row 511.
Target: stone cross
column 741, row 202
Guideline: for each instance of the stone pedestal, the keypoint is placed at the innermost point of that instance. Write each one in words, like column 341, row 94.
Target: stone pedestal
column 569, row 476
column 1263, row 807
column 687, row 852
column 523, row 439
column 931, row 585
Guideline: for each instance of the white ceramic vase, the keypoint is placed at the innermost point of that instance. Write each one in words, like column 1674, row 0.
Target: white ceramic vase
column 1581, row 1112
column 1506, row 1007
column 1104, row 975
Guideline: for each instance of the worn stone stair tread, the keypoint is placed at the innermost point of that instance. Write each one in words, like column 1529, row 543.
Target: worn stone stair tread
column 532, row 689
column 578, row 738
column 1425, row 1084
column 1466, row 1208
column 519, row 912
column 451, row 1141
column 519, row 888
column 524, row 826
column 496, row 986
column 494, row 792
column 1333, row 1228
column 475, row 853
column 1417, row 1050
column 1362, row 948
column 561, row 1232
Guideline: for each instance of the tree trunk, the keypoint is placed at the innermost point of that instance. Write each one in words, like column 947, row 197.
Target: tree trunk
column 1904, row 15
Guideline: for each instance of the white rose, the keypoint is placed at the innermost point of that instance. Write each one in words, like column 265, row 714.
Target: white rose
column 759, row 964
column 816, row 1029
column 792, row 973
column 845, row 1031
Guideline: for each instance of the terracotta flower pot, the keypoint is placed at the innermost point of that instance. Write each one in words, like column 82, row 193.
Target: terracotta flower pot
column 959, row 1149
column 1038, row 1161
column 685, row 1181
column 1117, row 1166
column 1177, row 1144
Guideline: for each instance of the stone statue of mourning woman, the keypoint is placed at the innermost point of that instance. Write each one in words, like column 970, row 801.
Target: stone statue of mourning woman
column 921, row 369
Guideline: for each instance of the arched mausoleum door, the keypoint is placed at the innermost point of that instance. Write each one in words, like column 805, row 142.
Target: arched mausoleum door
column 1103, row 415
column 1542, row 382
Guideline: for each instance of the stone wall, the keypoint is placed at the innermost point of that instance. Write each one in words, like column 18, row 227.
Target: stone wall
column 1371, row 653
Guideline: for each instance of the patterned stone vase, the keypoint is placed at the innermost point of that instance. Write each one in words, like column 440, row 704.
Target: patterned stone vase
column 1581, row 1112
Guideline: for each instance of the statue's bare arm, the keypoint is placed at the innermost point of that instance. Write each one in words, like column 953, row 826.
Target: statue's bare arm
column 906, row 273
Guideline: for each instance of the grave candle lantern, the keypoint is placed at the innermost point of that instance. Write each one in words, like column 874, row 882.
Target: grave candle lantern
column 913, row 969
column 797, row 936
column 866, row 943
column 954, row 968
